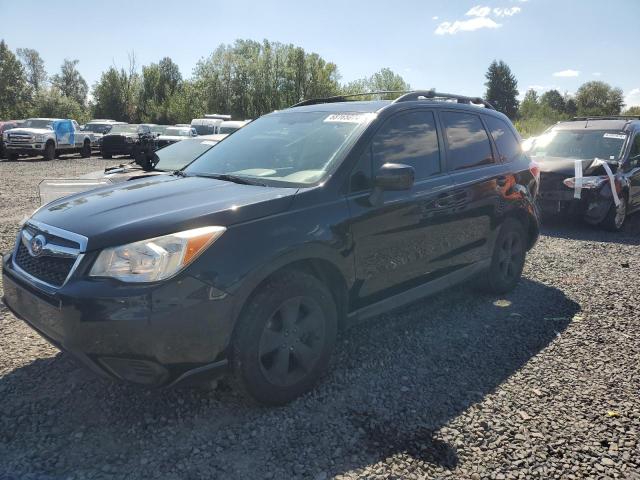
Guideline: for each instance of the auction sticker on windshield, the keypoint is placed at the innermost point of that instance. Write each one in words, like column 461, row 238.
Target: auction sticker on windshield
column 348, row 117
column 617, row 136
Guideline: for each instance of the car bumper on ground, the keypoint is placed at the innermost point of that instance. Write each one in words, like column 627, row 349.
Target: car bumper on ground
column 153, row 335
column 593, row 206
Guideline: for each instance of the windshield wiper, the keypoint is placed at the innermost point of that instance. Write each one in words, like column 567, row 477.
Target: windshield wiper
column 230, row 178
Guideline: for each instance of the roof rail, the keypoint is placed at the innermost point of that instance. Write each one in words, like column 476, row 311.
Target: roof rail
column 433, row 95
column 608, row 117
column 343, row 98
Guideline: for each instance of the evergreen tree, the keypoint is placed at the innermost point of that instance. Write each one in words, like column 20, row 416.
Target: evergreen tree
column 502, row 88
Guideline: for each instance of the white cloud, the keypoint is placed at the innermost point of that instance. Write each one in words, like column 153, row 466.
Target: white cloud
column 481, row 19
column 435, row 17
column 597, row 74
column 567, row 73
column 478, row 11
column 632, row 98
column 506, row 12
column 470, row 25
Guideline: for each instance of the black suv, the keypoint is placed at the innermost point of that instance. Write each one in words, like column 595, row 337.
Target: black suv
column 590, row 167
column 255, row 256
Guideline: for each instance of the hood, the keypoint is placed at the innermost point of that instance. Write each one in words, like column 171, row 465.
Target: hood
column 30, row 131
column 566, row 166
column 157, row 205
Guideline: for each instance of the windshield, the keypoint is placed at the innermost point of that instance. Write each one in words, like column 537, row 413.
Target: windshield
column 158, row 129
column 579, row 144
column 37, row 123
column 97, row 127
column 297, row 148
column 204, row 129
column 180, row 154
column 228, row 129
column 124, row 129
column 178, row 131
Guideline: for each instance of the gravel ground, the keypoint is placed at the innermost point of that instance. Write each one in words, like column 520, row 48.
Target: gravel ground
column 541, row 383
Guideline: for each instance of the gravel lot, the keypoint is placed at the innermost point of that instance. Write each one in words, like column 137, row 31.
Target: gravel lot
column 543, row 383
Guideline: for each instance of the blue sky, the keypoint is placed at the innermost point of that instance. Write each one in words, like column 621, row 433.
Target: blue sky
column 444, row 44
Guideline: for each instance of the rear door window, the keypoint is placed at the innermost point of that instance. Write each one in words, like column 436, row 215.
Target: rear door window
column 411, row 139
column 467, row 141
column 507, row 143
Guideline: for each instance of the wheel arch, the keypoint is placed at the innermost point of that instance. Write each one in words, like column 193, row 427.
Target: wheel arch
column 529, row 224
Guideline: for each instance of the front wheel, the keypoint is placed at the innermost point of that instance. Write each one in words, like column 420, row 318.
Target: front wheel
column 615, row 219
column 49, row 151
column 86, row 150
column 507, row 260
column 284, row 338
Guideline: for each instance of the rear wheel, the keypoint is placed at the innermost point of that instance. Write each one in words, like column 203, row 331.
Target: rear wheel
column 86, row 150
column 507, row 261
column 284, row 338
column 615, row 219
column 49, row 151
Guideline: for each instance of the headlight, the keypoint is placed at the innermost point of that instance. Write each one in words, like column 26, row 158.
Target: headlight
column 128, row 139
column 154, row 259
column 585, row 182
column 40, row 138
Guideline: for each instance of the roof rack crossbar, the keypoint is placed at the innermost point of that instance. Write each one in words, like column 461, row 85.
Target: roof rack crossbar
column 608, row 117
column 433, row 95
column 343, row 98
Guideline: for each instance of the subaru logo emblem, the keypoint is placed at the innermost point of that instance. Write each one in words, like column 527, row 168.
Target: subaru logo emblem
column 37, row 245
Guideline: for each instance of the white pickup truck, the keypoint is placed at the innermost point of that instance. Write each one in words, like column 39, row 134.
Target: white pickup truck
column 47, row 137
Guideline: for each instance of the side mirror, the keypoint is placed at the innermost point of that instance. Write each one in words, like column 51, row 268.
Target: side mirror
column 395, row 176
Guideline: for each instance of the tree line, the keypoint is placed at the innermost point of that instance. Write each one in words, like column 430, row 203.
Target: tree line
column 247, row 79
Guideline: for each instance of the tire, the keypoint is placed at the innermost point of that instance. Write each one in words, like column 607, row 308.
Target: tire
column 49, row 152
column 86, row 150
column 284, row 338
column 616, row 217
column 12, row 157
column 507, row 260
column 106, row 156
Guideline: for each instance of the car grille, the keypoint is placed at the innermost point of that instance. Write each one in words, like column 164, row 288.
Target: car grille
column 19, row 138
column 51, row 270
column 57, row 259
column 113, row 141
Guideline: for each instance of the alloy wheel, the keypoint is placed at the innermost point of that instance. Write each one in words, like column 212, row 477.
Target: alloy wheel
column 510, row 255
column 292, row 341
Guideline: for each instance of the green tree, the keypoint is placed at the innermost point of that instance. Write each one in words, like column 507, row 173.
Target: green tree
column 530, row 105
column 159, row 81
column 554, row 100
column 635, row 110
column 70, row 83
column 51, row 103
column 248, row 78
column 383, row 80
column 115, row 95
column 15, row 94
column 34, row 68
column 598, row 98
column 502, row 88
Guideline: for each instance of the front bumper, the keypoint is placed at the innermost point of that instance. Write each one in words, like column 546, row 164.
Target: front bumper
column 25, row 149
column 122, row 149
column 154, row 335
column 593, row 205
